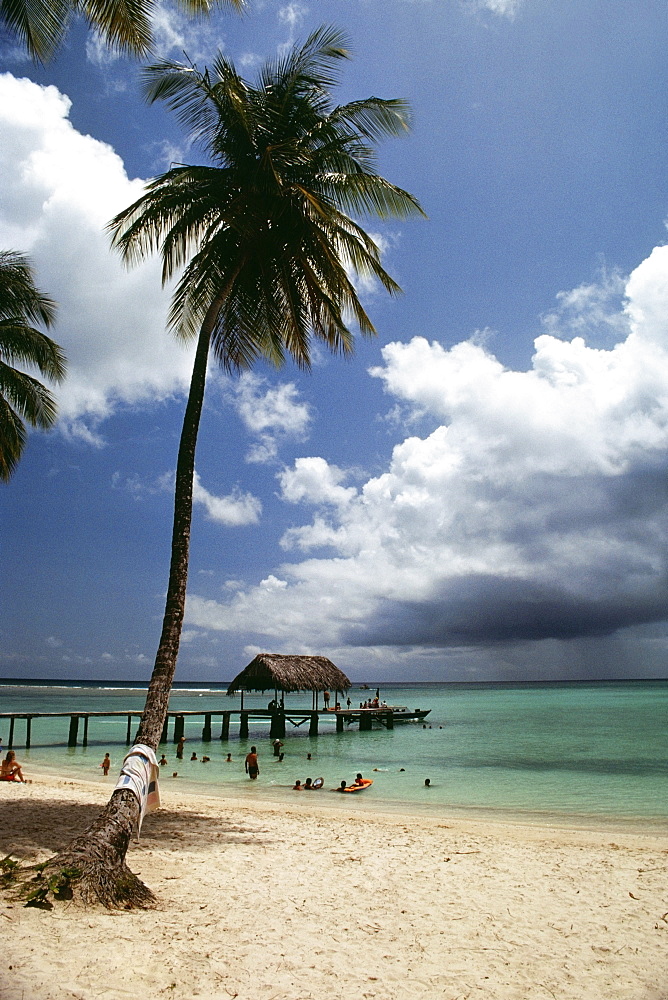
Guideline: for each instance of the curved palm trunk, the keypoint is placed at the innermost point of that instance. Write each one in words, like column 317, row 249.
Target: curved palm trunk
column 98, row 855
column 157, row 698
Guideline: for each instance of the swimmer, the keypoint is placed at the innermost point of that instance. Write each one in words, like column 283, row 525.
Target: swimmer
column 228, row 759
column 359, row 780
column 106, row 764
column 427, row 783
column 251, row 764
column 297, row 787
column 175, row 774
column 342, row 787
column 163, row 760
column 193, row 756
column 308, row 785
column 308, row 756
column 205, row 760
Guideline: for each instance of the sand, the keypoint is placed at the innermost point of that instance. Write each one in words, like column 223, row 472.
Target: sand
column 263, row 902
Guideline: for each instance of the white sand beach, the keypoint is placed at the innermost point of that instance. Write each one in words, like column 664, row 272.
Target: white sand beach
column 262, row 902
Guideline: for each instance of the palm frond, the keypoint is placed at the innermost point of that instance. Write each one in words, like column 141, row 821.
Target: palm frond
column 24, row 345
column 12, row 440
column 265, row 238
column 38, row 24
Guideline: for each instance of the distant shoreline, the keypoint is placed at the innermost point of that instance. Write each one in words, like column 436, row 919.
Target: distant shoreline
column 195, row 685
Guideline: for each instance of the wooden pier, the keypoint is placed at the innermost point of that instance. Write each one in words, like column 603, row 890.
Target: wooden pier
column 278, row 721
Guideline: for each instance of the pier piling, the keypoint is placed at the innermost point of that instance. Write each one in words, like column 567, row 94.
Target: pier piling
column 206, row 731
column 225, row 728
column 74, row 729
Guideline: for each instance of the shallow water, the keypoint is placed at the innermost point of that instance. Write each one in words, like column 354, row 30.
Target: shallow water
column 579, row 752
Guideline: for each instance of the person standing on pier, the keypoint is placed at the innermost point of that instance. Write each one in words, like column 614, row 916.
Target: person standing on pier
column 252, row 766
column 325, row 698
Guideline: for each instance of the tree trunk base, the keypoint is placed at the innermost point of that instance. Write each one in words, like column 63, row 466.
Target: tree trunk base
column 83, row 877
column 91, row 869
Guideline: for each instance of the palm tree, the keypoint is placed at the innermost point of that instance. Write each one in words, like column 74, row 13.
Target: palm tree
column 125, row 25
column 22, row 397
column 266, row 244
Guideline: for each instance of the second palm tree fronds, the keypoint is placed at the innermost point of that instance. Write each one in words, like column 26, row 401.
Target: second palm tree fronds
column 23, row 397
column 125, row 25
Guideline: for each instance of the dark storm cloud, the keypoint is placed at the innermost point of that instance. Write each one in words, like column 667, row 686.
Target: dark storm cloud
column 486, row 610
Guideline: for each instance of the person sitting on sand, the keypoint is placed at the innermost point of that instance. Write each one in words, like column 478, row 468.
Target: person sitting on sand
column 252, row 766
column 106, row 764
column 163, row 760
column 10, row 769
column 297, row 787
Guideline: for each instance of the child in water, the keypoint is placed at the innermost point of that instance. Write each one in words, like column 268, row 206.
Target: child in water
column 106, row 764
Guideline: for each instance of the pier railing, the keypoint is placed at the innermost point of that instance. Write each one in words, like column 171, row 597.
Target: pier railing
column 278, row 719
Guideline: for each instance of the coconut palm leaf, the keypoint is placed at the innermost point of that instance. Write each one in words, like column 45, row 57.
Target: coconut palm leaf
column 125, row 25
column 23, row 397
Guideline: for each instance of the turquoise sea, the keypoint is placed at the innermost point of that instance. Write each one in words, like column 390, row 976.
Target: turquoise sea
column 589, row 754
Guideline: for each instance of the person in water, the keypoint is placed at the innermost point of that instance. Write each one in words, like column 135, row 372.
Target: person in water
column 342, row 787
column 252, row 766
column 106, row 764
column 308, row 785
column 297, row 787
column 427, row 783
column 359, row 780
column 163, row 760
column 10, row 769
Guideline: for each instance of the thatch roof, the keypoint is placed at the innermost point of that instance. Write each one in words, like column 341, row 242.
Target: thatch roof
column 290, row 673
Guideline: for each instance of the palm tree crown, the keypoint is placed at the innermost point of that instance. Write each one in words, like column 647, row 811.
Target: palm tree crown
column 125, row 25
column 264, row 233
column 23, row 397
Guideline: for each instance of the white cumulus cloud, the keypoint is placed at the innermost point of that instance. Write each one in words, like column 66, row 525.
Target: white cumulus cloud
column 534, row 510
column 58, row 190
column 234, row 510
column 269, row 413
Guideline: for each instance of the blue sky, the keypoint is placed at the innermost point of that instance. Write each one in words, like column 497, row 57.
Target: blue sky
column 481, row 492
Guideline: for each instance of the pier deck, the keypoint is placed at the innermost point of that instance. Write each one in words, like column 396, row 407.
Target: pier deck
column 364, row 717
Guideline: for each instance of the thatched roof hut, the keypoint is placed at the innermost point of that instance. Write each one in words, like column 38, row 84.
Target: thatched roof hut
column 274, row 671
